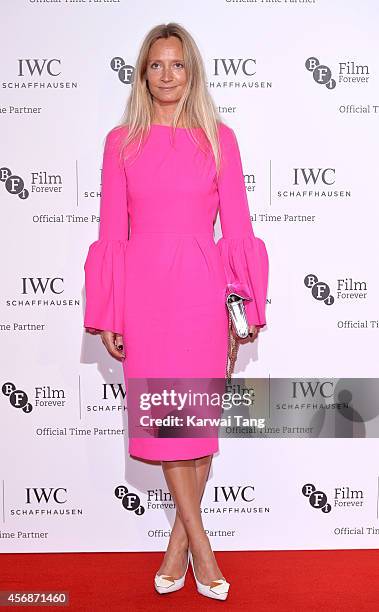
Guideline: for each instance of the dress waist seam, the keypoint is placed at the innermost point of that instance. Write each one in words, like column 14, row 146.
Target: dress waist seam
column 163, row 233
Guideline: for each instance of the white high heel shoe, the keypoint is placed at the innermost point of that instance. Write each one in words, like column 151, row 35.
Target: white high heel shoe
column 218, row 589
column 168, row 584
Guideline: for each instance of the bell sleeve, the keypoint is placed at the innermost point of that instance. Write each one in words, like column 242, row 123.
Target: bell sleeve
column 105, row 262
column 244, row 255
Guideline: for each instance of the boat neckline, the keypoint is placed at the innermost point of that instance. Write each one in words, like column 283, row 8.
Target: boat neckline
column 170, row 126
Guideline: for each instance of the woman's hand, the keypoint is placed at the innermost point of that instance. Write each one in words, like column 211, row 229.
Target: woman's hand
column 114, row 344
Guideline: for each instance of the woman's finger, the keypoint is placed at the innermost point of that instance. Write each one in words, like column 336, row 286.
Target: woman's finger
column 119, row 343
column 108, row 339
column 112, row 350
column 253, row 332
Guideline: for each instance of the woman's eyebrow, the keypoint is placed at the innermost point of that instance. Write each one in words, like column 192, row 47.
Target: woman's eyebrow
column 160, row 60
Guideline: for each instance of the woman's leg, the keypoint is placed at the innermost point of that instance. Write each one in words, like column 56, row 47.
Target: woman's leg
column 175, row 559
column 186, row 482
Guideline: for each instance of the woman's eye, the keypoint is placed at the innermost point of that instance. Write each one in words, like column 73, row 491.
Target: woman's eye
column 177, row 64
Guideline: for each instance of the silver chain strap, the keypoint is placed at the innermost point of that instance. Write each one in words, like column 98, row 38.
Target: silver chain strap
column 233, row 346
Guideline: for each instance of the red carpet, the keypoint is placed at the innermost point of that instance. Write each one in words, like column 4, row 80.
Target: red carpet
column 282, row 581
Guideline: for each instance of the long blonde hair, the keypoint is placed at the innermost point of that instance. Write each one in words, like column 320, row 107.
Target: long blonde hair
column 196, row 107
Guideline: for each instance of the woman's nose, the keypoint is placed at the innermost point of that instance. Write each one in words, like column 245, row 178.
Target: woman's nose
column 167, row 74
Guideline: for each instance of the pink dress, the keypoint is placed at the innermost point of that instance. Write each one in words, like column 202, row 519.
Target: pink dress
column 156, row 274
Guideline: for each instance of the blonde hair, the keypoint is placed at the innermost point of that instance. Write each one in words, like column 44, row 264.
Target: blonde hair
column 195, row 108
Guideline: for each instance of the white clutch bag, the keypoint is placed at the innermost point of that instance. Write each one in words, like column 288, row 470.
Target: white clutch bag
column 235, row 303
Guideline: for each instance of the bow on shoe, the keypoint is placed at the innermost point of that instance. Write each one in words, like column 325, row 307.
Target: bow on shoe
column 219, row 586
column 164, row 581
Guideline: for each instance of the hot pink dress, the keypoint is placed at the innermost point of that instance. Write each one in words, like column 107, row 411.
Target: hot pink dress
column 162, row 284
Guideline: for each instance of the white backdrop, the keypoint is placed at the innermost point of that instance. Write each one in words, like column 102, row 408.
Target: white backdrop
column 298, row 82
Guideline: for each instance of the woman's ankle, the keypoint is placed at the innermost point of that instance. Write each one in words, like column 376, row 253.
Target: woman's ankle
column 178, row 542
column 199, row 543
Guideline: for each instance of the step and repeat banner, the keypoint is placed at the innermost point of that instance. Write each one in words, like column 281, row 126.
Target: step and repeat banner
column 298, row 81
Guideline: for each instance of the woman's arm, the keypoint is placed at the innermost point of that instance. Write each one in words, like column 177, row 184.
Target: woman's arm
column 105, row 263
column 244, row 255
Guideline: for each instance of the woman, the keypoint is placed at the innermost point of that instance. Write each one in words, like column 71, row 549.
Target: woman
column 155, row 279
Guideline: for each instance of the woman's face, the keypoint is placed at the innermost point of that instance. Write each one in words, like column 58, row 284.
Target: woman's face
column 165, row 71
